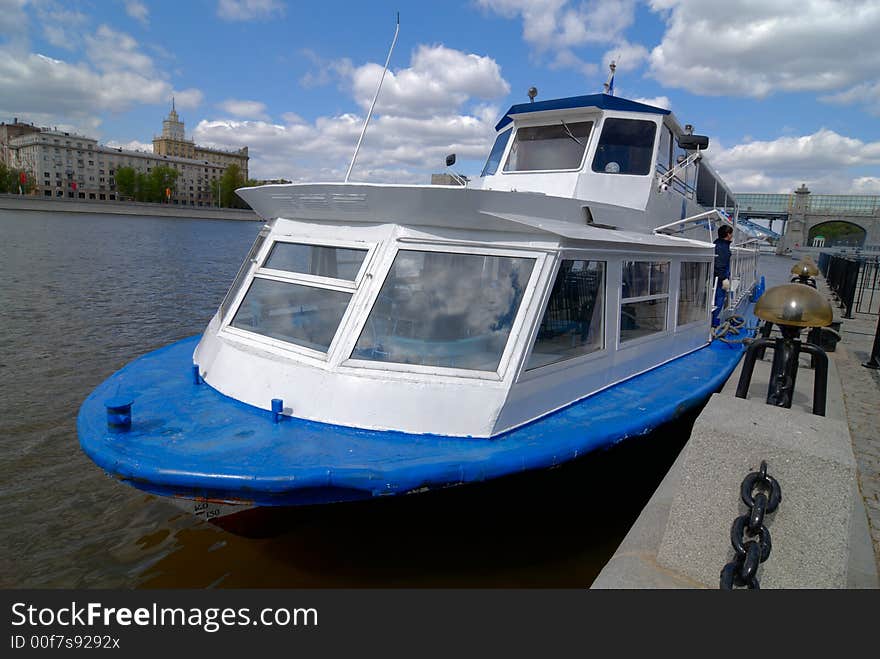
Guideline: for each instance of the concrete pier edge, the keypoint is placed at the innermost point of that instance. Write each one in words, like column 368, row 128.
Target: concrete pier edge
column 28, row 203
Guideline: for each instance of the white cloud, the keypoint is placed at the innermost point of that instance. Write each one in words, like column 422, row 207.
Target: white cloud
column 656, row 101
column 13, row 19
column 866, row 185
column 866, row 94
column 187, row 99
column 131, row 145
column 138, row 11
column 245, row 109
column 555, row 24
column 754, row 48
column 419, row 120
column 249, row 10
column 825, row 161
column 111, row 50
column 439, row 80
column 626, row 55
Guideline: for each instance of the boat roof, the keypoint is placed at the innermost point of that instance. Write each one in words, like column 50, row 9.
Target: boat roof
column 600, row 101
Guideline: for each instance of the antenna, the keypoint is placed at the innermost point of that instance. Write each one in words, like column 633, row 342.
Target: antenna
column 609, row 86
column 373, row 104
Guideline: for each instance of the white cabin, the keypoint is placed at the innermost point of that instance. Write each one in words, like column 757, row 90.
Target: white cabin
column 469, row 311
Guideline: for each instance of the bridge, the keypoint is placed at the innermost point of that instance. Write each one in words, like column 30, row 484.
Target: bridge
column 808, row 220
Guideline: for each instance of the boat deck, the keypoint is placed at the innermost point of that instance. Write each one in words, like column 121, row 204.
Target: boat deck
column 191, row 441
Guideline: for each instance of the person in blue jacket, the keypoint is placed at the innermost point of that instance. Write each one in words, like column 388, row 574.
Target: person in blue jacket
column 722, row 269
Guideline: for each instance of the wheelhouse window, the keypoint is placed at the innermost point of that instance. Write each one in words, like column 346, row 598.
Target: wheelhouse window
column 318, row 260
column 554, row 147
column 693, row 292
column 303, row 315
column 495, row 155
column 573, row 323
column 644, row 298
column 301, row 294
column 445, row 309
column 626, row 146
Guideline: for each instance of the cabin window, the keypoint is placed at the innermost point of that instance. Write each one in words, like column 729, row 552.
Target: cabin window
column 644, row 298
column 495, row 155
column 444, row 309
column 302, row 315
column 693, row 296
column 318, row 260
column 573, row 323
column 560, row 146
column 625, row 147
column 664, row 150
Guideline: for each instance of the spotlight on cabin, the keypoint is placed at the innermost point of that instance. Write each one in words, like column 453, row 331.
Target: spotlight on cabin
column 791, row 307
column 533, row 91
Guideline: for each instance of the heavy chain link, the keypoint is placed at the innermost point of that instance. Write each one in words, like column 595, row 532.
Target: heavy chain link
column 762, row 494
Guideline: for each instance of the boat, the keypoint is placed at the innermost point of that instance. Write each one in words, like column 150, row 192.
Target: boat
column 386, row 340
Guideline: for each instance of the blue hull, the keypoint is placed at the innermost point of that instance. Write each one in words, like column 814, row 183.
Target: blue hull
column 190, row 441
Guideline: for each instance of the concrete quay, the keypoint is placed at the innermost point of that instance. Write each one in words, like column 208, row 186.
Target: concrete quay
column 825, row 531
column 52, row 205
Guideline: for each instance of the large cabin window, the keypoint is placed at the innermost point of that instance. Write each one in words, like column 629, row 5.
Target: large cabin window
column 573, row 323
column 301, row 294
column 625, row 147
column 495, row 155
column 445, row 309
column 693, row 296
column 555, row 147
column 644, row 298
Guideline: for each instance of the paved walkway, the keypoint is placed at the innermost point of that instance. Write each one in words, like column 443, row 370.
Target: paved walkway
column 861, row 396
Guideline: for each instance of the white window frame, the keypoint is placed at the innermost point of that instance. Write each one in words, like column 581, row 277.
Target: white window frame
column 709, row 302
column 589, row 147
column 621, row 344
column 515, row 339
column 315, row 357
column 528, row 373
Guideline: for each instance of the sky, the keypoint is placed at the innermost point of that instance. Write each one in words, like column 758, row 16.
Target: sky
column 788, row 91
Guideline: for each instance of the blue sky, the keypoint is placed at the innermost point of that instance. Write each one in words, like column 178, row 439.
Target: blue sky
column 788, row 91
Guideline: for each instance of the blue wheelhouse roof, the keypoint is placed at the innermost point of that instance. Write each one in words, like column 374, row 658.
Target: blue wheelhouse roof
column 601, row 101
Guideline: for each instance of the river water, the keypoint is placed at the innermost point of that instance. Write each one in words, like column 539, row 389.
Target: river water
column 82, row 295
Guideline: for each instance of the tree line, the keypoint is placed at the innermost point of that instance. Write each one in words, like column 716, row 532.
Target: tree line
column 160, row 184
column 10, row 180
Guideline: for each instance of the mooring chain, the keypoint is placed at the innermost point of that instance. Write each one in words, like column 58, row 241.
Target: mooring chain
column 762, row 494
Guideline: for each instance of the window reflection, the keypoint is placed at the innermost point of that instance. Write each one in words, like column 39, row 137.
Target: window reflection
column 693, row 298
column 625, row 147
column 560, row 146
column 334, row 262
column 646, row 283
column 573, row 323
column 441, row 309
column 298, row 314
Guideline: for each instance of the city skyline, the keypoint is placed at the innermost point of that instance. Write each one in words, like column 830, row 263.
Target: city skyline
column 782, row 101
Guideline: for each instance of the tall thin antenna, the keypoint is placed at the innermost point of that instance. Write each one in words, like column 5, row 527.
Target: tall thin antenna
column 373, row 104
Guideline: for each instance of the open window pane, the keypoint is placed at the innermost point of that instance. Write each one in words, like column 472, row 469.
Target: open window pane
column 303, row 315
column 440, row 309
column 495, row 155
column 625, row 147
column 573, row 323
column 560, row 146
column 639, row 319
column 693, row 293
column 335, row 262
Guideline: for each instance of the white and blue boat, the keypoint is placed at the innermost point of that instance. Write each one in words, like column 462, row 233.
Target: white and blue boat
column 385, row 340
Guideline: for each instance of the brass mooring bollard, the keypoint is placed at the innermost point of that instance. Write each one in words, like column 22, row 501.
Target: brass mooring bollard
column 791, row 307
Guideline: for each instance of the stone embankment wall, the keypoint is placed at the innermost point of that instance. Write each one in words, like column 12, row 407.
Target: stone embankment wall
column 51, row 205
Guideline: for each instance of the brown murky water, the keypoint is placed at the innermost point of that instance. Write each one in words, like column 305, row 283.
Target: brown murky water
column 83, row 295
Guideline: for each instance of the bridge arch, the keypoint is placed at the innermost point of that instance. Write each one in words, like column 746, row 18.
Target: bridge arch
column 836, row 233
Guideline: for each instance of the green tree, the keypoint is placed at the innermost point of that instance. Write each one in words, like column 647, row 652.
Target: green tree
column 10, row 180
column 224, row 188
column 162, row 178
column 126, row 182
